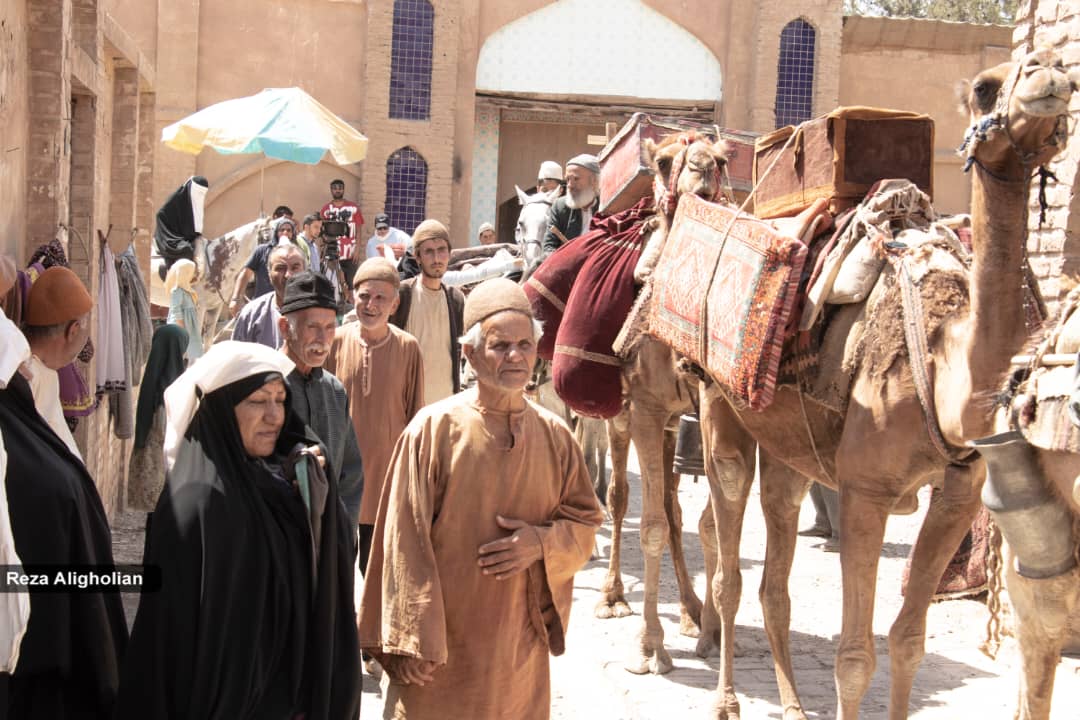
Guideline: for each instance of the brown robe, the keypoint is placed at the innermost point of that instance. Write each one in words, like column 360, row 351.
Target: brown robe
column 426, row 596
column 385, row 385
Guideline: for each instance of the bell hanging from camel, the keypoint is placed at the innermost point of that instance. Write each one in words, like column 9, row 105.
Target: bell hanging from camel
column 688, row 456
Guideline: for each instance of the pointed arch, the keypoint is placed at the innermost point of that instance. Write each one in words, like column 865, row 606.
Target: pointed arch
column 795, row 73
column 411, row 54
column 406, row 189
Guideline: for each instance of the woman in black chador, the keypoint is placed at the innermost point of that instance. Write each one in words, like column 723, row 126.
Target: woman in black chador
column 254, row 618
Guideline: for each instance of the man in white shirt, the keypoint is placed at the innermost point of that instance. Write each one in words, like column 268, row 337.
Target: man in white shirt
column 57, row 324
column 387, row 237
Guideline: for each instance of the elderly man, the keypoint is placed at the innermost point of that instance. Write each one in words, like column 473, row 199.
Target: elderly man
column 56, row 323
column 549, row 177
column 569, row 215
column 257, row 266
column 383, row 373
column 431, row 311
column 74, row 641
column 308, row 322
column 387, row 237
column 258, row 321
column 488, row 516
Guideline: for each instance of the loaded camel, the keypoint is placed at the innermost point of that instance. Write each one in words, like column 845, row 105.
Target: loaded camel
column 886, row 445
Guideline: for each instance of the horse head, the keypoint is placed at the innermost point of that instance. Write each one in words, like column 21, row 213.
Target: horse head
column 532, row 223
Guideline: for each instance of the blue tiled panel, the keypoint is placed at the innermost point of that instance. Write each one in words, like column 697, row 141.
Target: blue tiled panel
column 406, row 189
column 410, row 61
column 795, row 74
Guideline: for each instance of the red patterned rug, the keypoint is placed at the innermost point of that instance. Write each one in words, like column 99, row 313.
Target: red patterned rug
column 736, row 277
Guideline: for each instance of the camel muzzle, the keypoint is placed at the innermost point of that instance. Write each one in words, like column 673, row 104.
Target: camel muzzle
column 1036, row 524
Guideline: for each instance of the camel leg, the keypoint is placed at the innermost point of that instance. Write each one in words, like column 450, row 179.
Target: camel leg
column 947, row 521
column 782, row 492
column 647, row 432
column 1042, row 609
column 862, row 532
column 708, row 644
column 689, row 604
column 729, row 460
column 613, row 603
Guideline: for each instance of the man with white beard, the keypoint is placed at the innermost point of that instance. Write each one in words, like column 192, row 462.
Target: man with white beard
column 307, row 324
column 569, row 215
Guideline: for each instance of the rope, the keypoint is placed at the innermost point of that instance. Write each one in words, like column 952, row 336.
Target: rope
column 992, row 644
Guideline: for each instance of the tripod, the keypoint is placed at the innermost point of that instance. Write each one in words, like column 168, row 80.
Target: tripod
column 331, row 268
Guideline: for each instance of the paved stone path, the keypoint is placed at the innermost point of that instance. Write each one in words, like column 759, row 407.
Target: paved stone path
column 955, row 680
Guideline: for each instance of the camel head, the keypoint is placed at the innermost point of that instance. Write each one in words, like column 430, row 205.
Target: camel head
column 686, row 162
column 1018, row 114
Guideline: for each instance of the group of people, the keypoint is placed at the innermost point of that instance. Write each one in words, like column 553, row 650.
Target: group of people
column 274, row 463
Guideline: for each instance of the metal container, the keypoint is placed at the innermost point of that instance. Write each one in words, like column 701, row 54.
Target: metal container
column 1034, row 522
column 688, row 455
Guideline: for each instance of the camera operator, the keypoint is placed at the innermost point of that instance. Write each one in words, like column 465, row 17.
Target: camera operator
column 349, row 212
column 333, row 232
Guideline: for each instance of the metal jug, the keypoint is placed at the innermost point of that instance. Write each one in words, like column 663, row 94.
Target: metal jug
column 1036, row 524
column 688, row 456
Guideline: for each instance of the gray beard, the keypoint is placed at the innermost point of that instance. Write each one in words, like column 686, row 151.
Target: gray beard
column 580, row 199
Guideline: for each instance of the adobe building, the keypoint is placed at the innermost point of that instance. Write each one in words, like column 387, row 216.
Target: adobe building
column 78, row 141
column 461, row 100
column 1054, row 245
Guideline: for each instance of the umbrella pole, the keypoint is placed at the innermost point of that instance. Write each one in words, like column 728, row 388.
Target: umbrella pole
column 262, row 176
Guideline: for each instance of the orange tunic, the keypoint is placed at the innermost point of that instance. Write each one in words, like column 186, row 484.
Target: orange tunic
column 385, row 385
column 426, row 596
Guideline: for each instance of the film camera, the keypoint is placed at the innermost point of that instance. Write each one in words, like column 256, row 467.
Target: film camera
column 335, row 225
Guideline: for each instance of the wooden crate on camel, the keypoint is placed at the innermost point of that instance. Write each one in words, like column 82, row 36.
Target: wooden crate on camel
column 722, row 293
column 838, row 157
column 625, row 173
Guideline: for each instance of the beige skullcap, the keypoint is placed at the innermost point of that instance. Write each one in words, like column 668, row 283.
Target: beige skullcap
column 57, row 296
column 377, row 268
column 429, row 230
column 493, row 296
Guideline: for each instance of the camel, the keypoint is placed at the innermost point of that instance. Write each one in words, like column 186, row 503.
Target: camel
column 882, row 447
column 656, row 391
column 219, row 262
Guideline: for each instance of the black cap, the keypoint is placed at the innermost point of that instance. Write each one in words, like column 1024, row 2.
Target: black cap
column 382, row 220
column 307, row 290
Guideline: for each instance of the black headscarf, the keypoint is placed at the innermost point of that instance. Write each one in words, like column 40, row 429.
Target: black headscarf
column 241, row 627
column 164, row 365
column 174, row 228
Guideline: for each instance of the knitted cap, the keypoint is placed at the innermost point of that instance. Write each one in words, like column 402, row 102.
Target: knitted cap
column 377, row 268
column 549, row 170
column 493, row 296
column 586, row 161
column 429, row 230
column 58, row 296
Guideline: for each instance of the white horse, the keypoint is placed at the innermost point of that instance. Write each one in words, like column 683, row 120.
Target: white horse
column 219, row 262
column 532, row 224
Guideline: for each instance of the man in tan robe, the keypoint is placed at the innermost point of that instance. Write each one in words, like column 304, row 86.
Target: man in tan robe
column 383, row 373
column 488, row 514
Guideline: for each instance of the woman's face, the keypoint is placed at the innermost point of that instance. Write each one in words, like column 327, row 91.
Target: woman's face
column 260, row 416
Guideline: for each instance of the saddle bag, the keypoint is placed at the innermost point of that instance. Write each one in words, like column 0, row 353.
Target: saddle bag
column 722, row 292
column 838, row 157
column 625, row 174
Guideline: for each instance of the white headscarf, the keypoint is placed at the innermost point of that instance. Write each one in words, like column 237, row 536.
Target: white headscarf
column 198, row 204
column 14, row 350
column 223, row 364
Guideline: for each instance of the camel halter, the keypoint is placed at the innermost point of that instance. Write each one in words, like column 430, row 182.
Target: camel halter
column 998, row 120
column 669, row 194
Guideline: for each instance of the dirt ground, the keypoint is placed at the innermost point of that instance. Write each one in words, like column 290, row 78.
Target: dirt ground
column 955, row 680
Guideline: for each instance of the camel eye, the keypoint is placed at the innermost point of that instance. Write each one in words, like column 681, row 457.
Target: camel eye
column 984, row 91
column 664, row 164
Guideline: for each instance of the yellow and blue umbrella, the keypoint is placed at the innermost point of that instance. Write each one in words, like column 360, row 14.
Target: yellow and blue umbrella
column 283, row 123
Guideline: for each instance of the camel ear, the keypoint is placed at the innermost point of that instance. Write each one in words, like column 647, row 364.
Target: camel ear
column 963, row 97
column 522, row 197
column 723, row 150
column 555, row 193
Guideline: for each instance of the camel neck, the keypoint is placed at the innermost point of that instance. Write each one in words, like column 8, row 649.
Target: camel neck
column 999, row 231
